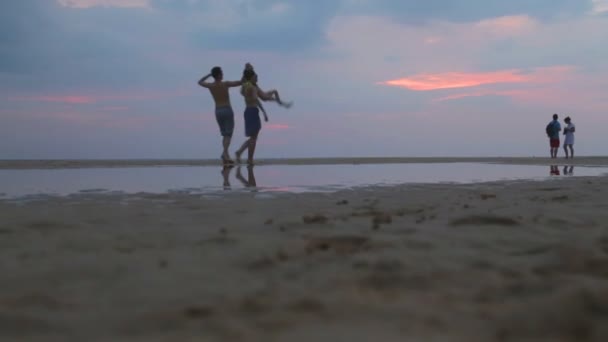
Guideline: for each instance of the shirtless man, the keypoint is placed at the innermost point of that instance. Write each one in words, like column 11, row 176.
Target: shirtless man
column 223, row 110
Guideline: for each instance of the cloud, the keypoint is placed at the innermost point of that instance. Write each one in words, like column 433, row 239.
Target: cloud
column 599, row 6
column 449, row 80
column 56, row 99
column 96, row 98
column 455, row 80
column 416, row 12
column 508, row 25
column 278, row 26
column 105, row 3
column 370, row 48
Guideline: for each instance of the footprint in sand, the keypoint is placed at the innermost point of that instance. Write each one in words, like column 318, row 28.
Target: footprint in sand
column 6, row 231
column 316, row 218
column 484, row 220
column 339, row 244
column 15, row 327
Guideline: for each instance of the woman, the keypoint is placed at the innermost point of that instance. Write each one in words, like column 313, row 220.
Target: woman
column 271, row 95
column 253, row 124
column 569, row 133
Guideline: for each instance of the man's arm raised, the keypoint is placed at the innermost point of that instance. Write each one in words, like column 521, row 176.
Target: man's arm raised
column 202, row 82
column 231, row 84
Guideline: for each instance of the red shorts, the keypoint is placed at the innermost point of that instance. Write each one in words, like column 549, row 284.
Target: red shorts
column 554, row 143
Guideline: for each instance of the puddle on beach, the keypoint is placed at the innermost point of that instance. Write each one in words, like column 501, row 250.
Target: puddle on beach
column 214, row 180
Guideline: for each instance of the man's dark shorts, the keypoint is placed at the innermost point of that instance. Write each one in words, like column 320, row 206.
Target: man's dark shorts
column 253, row 125
column 554, row 143
column 225, row 119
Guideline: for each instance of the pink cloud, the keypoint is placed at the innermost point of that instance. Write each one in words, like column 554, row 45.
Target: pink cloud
column 96, row 119
column 508, row 25
column 424, row 82
column 69, row 99
column 554, row 95
column 450, row 80
column 277, row 126
column 95, row 98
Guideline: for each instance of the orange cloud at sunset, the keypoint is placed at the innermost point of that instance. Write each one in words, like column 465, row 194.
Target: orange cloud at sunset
column 450, row 80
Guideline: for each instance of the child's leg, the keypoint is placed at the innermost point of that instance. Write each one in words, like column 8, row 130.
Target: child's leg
column 275, row 95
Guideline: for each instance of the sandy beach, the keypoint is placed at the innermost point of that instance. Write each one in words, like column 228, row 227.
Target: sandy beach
column 501, row 261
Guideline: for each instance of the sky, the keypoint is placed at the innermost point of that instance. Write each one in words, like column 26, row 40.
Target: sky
column 89, row 79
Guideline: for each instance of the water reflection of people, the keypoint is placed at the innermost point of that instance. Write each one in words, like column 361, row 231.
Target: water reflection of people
column 226, row 174
column 250, row 181
column 568, row 170
column 554, row 170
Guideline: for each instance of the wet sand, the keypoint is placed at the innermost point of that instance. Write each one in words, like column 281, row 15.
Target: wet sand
column 503, row 261
column 54, row 164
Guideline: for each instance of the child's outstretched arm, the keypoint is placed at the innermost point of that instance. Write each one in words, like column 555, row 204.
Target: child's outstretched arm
column 263, row 111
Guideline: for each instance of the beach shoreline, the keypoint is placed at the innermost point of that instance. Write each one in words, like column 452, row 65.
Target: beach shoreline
column 111, row 163
column 499, row 261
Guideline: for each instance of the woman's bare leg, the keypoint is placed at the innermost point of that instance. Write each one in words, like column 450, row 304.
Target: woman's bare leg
column 241, row 150
column 252, row 143
column 571, row 151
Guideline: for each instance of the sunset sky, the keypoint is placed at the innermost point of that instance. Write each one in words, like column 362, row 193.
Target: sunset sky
column 117, row 78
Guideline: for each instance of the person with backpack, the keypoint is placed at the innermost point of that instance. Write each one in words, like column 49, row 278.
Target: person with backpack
column 553, row 129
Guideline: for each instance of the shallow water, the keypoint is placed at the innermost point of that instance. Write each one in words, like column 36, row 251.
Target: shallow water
column 270, row 178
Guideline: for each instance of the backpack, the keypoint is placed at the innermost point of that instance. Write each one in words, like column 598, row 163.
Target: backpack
column 549, row 129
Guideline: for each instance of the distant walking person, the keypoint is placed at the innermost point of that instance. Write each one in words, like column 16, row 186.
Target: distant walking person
column 223, row 110
column 569, row 140
column 553, row 129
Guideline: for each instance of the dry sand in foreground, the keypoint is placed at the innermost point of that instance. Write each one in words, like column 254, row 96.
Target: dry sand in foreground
column 521, row 261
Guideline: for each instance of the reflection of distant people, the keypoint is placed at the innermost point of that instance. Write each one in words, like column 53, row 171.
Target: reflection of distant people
column 554, row 170
column 553, row 129
column 569, row 140
column 568, row 170
column 250, row 181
